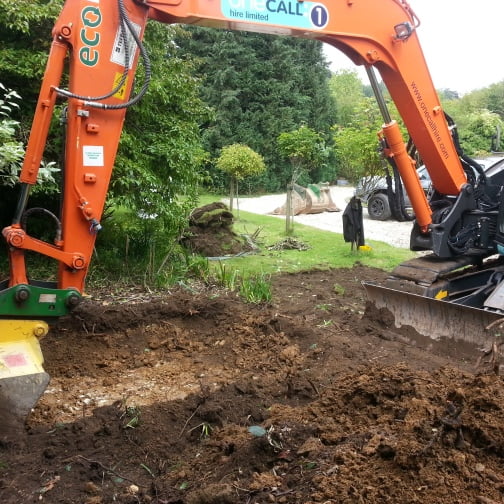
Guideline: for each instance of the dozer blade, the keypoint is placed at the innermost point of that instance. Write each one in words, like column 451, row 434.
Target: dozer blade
column 22, row 377
column 444, row 326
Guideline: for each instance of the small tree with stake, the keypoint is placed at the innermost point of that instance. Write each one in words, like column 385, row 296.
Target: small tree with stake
column 239, row 161
column 305, row 149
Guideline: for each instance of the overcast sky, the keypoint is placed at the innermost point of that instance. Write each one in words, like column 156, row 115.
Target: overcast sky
column 462, row 41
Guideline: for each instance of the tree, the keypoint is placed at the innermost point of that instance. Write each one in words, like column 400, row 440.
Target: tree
column 11, row 149
column 260, row 85
column 11, row 156
column 239, row 161
column 495, row 98
column 25, row 38
column 448, row 94
column 479, row 135
column 359, row 120
column 160, row 154
column 347, row 90
column 356, row 145
column 305, row 150
column 479, row 116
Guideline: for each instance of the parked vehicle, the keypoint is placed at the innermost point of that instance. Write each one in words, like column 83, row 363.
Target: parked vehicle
column 373, row 190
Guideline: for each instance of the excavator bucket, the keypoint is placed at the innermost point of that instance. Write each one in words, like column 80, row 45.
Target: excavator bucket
column 446, row 304
column 450, row 328
column 22, row 377
column 314, row 199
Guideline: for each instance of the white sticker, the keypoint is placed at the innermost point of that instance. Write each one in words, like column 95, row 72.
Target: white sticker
column 92, row 155
column 118, row 54
column 47, row 298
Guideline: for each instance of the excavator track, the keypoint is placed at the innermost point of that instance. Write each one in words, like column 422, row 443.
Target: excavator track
column 445, row 301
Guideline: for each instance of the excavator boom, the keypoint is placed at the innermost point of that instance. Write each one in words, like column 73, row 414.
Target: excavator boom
column 100, row 43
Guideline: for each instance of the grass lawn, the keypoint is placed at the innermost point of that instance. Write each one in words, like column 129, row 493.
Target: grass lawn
column 326, row 249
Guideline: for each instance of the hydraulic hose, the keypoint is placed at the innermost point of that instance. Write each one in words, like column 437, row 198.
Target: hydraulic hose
column 45, row 212
column 95, row 101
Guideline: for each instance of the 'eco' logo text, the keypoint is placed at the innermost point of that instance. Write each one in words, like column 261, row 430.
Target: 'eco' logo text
column 91, row 18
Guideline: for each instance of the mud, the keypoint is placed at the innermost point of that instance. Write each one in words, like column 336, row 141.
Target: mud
column 197, row 398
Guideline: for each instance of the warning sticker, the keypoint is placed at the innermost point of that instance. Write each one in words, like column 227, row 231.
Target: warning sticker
column 119, row 50
column 121, row 92
column 47, row 298
column 15, row 360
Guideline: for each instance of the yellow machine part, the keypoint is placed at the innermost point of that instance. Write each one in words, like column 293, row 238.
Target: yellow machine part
column 20, row 352
column 22, row 377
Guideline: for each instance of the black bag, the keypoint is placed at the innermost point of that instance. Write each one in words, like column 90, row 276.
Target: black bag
column 353, row 225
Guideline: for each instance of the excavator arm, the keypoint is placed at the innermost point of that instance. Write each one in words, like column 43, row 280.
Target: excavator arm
column 100, row 42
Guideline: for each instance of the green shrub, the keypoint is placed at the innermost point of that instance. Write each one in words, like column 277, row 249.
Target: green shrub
column 256, row 289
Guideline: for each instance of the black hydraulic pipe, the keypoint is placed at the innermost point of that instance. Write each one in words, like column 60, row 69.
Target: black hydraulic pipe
column 378, row 95
column 22, row 202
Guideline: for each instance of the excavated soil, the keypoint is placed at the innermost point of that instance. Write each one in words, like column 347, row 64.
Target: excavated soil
column 199, row 398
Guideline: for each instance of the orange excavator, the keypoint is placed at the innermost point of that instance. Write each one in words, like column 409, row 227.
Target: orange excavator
column 100, row 43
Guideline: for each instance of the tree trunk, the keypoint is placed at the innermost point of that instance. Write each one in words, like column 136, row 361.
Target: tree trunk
column 231, row 193
column 289, row 219
column 237, row 199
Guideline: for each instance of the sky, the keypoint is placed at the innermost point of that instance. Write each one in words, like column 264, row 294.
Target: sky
column 462, row 41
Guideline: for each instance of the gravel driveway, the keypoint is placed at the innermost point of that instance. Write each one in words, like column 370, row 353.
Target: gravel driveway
column 391, row 232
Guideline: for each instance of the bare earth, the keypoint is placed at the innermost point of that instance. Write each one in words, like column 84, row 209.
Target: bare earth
column 197, row 398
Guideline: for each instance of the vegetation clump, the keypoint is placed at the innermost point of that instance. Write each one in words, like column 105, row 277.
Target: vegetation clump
column 210, row 232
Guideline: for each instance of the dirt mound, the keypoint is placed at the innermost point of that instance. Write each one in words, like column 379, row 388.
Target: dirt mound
column 211, row 234
column 201, row 399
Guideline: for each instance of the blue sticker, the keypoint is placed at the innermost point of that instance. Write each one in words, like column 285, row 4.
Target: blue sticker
column 319, row 16
column 288, row 13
